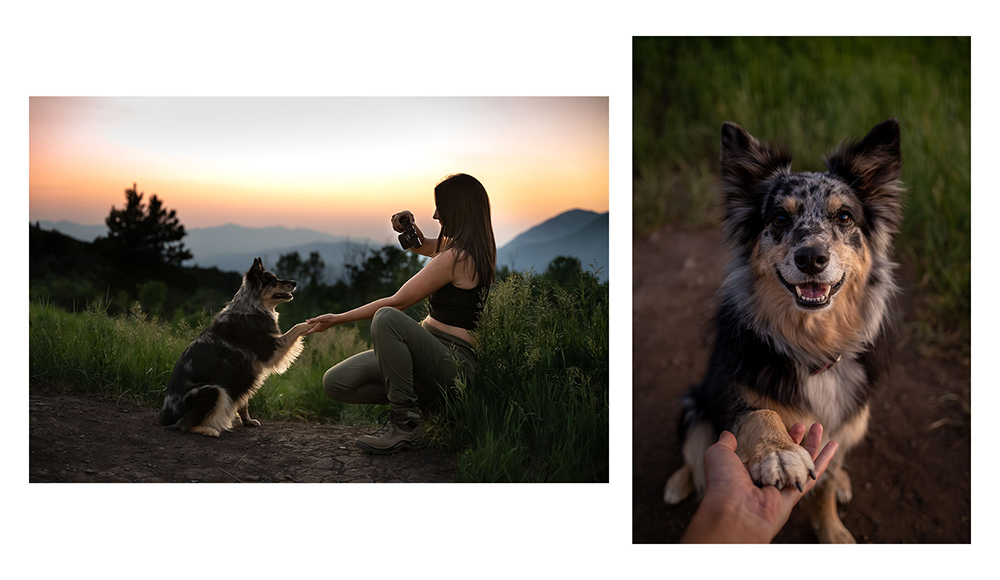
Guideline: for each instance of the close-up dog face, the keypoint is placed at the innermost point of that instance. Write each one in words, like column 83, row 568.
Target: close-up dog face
column 811, row 244
column 808, row 237
column 267, row 287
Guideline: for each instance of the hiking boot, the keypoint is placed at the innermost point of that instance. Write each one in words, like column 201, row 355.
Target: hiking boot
column 402, row 430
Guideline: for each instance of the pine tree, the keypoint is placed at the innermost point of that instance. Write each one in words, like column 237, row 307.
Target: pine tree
column 146, row 235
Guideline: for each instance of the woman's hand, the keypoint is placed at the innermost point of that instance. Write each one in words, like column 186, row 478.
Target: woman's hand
column 734, row 510
column 425, row 246
column 397, row 224
column 322, row 322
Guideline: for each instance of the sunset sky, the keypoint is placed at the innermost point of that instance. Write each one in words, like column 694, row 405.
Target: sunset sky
column 338, row 165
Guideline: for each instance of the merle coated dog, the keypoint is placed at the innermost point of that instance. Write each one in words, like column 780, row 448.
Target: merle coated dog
column 804, row 326
column 220, row 370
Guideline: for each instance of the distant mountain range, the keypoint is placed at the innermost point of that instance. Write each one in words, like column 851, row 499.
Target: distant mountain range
column 577, row 233
column 73, row 230
column 233, row 247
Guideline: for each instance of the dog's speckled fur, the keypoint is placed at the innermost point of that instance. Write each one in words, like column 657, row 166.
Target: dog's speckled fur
column 804, row 327
column 220, row 370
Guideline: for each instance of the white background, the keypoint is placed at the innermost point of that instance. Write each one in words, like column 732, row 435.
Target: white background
column 514, row 48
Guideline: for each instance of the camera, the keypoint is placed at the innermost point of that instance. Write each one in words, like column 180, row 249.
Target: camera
column 408, row 239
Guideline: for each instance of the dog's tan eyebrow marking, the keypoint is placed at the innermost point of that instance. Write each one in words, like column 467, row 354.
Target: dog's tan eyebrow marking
column 834, row 203
column 788, row 203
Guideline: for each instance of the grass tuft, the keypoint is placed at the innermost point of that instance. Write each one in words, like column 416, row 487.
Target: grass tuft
column 537, row 407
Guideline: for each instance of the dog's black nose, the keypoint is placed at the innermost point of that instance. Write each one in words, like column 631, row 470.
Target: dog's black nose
column 811, row 259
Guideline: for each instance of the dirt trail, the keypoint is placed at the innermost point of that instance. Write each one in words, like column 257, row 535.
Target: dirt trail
column 911, row 474
column 76, row 438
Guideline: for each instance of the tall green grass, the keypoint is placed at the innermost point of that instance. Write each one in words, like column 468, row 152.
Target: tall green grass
column 297, row 395
column 810, row 94
column 127, row 357
column 537, row 407
column 132, row 356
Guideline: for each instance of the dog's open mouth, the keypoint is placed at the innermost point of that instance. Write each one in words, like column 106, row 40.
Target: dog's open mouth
column 812, row 294
column 281, row 296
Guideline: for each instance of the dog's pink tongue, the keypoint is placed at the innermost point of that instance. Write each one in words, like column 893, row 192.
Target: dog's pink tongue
column 813, row 290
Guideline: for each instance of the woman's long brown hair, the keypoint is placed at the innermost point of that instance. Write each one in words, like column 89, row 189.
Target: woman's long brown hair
column 464, row 211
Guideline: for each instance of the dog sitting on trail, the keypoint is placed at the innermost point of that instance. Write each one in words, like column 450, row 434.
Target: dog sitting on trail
column 804, row 327
column 220, row 370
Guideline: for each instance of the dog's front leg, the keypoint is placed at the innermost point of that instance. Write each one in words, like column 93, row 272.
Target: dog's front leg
column 291, row 341
column 821, row 503
column 296, row 331
column 243, row 414
column 769, row 452
column 288, row 348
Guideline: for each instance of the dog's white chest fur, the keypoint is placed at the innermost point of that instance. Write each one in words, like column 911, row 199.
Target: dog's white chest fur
column 834, row 391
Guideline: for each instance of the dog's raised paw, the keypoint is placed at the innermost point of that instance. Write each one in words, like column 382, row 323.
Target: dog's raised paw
column 788, row 466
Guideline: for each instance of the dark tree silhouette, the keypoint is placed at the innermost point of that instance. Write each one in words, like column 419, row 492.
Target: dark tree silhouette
column 312, row 270
column 308, row 273
column 382, row 273
column 565, row 271
column 145, row 235
column 289, row 265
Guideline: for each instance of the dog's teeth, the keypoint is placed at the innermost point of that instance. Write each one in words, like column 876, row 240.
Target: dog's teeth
column 816, row 299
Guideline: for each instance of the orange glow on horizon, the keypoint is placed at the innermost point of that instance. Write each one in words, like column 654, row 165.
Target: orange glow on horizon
column 341, row 166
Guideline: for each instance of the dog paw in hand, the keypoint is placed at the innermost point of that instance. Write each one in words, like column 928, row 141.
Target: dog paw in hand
column 781, row 466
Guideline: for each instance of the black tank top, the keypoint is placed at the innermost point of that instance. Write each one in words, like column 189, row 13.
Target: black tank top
column 459, row 307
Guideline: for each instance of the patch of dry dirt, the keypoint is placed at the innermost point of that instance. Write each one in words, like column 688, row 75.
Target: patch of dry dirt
column 911, row 474
column 76, row 438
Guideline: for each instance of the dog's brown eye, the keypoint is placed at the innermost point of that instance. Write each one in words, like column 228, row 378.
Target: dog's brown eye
column 781, row 220
column 844, row 219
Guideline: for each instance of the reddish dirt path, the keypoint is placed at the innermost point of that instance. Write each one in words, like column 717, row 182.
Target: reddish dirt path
column 75, row 438
column 911, row 478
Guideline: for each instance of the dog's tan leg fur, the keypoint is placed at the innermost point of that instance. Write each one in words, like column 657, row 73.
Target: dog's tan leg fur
column 769, row 452
column 821, row 504
column 679, row 486
column 690, row 477
column 207, row 431
column 243, row 414
column 835, row 485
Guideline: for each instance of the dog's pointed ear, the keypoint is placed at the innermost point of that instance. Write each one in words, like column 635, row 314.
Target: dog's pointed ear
column 871, row 167
column 745, row 161
column 257, row 267
column 745, row 164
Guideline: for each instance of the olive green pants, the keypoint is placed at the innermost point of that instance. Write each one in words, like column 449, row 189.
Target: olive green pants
column 409, row 367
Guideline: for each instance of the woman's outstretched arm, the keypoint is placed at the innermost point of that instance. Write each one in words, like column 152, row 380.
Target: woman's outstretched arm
column 437, row 273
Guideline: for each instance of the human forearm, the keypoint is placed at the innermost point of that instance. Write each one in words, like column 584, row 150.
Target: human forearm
column 723, row 522
column 367, row 311
column 428, row 248
column 432, row 276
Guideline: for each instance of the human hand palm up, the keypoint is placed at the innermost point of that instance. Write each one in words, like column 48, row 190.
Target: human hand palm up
column 729, row 481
